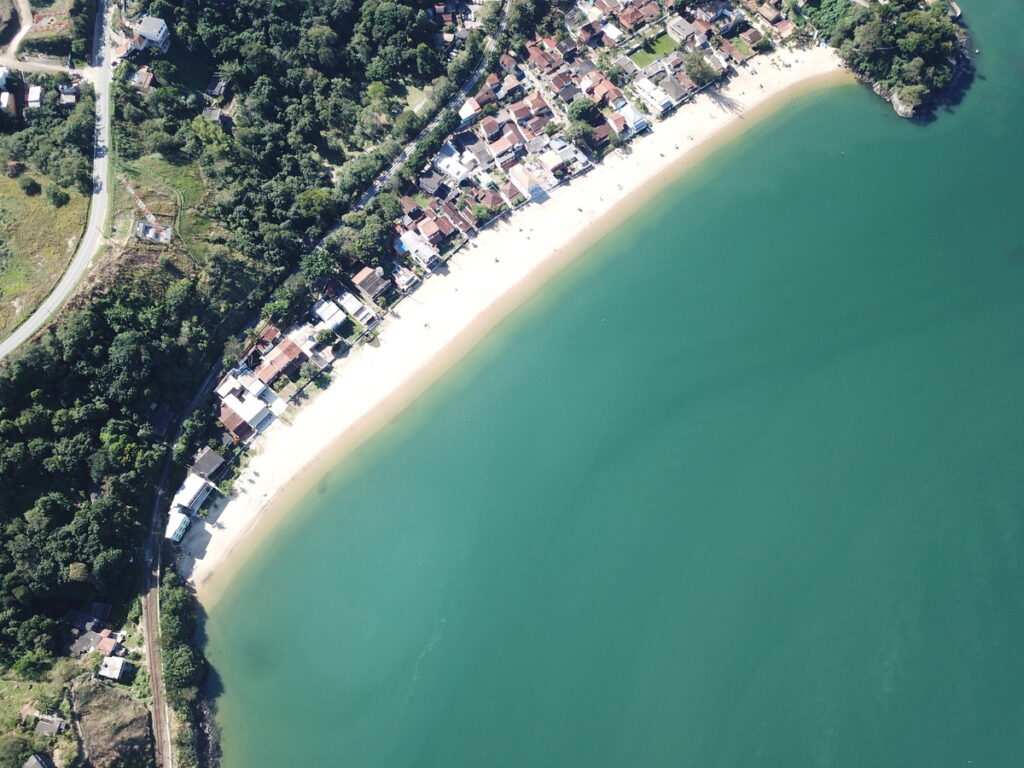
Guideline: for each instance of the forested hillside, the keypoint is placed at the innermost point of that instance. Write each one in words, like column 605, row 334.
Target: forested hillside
column 82, row 409
column 911, row 51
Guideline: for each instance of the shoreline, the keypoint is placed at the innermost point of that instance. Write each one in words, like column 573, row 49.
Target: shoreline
column 438, row 325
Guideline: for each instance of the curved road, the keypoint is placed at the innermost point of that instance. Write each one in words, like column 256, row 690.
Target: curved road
column 100, row 76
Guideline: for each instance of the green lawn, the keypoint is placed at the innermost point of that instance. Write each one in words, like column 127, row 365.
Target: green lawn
column 741, row 46
column 37, row 242
column 416, row 98
column 653, row 49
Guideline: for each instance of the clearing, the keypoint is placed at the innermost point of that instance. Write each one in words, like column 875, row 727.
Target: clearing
column 37, row 242
column 652, row 50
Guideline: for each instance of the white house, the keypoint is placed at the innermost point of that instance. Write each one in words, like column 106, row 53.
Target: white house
column 192, row 493
column 526, row 182
column 112, row 667
column 7, row 104
column 654, row 96
column 177, row 524
column 4, row 72
column 330, row 314
column 634, row 119
column 153, row 32
column 417, row 246
column 356, row 309
column 448, row 162
column 35, row 96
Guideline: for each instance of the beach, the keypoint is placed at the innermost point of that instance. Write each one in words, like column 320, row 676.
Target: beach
column 455, row 308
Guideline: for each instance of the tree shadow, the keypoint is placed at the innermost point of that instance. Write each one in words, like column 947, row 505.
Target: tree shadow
column 724, row 101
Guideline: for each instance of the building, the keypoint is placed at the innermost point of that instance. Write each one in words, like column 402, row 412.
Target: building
column 35, row 96
column 370, row 282
column 283, row 360
column 142, row 79
column 329, row 314
column 192, row 493
column 177, row 524
column 8, row 104
column 216, row 87
column 154, row 33
column 680, row 30
column 50, row 725
column 207, row 462
column 359, row 311
column 243, row 411
column 4, row 73
column 405, row 279
column 113, row 668
column 36, row 761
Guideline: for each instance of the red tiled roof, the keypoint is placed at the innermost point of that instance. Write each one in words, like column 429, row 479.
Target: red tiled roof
column 277, row 360
column 234, row 423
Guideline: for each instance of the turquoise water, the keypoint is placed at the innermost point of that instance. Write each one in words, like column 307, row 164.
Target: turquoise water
column 742, row 487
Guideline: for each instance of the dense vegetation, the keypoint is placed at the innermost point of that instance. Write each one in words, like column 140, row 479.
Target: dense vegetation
column 52, row 140
column 911, row 51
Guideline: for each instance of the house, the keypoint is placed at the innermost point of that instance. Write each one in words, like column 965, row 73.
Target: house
column 526, row 182
column 50, row 725
column 177, row 524
column 618, row 123
column 432, row 183
column 703, row 29
column 68, row 94
column 328, row 314
column 370, row 282
column 650, row 11
column 242, row 411
column 283, row 359
column 567, row 48
column 7, row 104
column 216, row 87
column 35, row 96
column 750, row 37
column 153, row 32
column 214, row 115
column 356, row 309
column 412, row 242
column 490, row 128
column 36, row 761
column 768, row 12
column 469, row 110
column 784, row 28
column 568, row 94
column 680, row 30
column 431, row 231
column 613, row 35
column 636, row 121
column 520, row 112
column 731, row 51
column 652, row 95
column 207, row 462
column 142, row 79
column 4, row 74
column 109, row 644
column 502, row 149
column 405, row 279
column 113, row 668
column 512, row 194
column 507, row 62
column 631, row 18
column 447, row 162
column 192, row 493
column 537, row 104
column 601, row 134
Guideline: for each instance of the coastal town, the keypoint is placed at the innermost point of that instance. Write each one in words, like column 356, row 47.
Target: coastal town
column 551, row 112
column 516, row 153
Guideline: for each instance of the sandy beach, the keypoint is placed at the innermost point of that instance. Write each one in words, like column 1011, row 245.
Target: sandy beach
column 455, row 309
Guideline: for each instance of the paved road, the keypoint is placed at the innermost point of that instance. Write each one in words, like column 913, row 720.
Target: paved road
column 100, row 76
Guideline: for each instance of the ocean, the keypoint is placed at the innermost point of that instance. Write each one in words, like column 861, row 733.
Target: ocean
column 742, row 486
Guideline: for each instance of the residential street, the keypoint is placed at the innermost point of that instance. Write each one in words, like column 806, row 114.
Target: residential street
column 88, row 248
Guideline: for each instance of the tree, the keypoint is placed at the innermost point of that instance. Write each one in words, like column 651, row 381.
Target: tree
column 698, row 69
column 584, row 110
column 580, row 134
column 57, row 196
column 183, row 667
column 29, row 185
column 317, row 266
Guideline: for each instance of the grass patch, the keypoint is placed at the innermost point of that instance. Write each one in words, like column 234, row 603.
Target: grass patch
column 417, row 98
column 741, row 46
column 652, row 50
column 37, row 242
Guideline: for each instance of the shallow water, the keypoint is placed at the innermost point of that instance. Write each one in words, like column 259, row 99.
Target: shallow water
column 742, row 487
